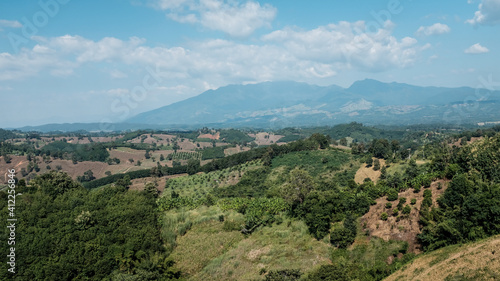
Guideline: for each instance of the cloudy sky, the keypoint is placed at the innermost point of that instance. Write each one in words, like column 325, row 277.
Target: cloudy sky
column 92, row 61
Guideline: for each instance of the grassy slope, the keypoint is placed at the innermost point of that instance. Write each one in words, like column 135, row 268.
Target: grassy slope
column 287, row 245
column 475, row 261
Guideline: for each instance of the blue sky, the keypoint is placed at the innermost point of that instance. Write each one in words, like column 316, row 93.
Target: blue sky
column 93, row 61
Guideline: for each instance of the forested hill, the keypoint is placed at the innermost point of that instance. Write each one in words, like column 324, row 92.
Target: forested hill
column 293, row 211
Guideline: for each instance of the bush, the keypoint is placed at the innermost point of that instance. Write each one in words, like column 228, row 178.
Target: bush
column 388, row 205
column 413, row 201
column 392, row 195
column 341, row 237
column 406, row 210
column 384, row 216
column 283, row 275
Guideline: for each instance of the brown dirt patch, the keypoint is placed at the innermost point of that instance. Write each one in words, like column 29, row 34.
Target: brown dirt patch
column 234, row 150
column 139, row 184
column 215, row 136
column 404, row 228
column 368, row 172
column 265, row 138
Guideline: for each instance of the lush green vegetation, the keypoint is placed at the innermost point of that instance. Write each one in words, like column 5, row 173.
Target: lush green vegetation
column 213, row 152
column 469, row 208
column 78, row 152
column 66, row 232
column 288, row 212
column 315, row 162
column 235, row 136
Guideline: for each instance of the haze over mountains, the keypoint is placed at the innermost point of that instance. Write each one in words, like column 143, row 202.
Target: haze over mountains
column 277, row 104
column 284, row 104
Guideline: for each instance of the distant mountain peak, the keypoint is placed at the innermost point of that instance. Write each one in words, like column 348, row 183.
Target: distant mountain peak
column 299, row 104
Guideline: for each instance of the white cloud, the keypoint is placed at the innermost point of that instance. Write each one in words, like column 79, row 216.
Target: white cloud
column 488, row 13
column 231, row 17
column 115, row 73
column 435, row 29
column 287, row 54
column 349, row 45
column 10, row 23
column 476, row 49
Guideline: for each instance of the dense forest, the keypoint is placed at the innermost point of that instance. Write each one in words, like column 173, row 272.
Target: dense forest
column 303, row 192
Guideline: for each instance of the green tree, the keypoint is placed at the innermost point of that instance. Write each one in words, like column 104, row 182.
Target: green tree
column 193, row 166
column 298, row 184
column 152, row 189
column 54, row 183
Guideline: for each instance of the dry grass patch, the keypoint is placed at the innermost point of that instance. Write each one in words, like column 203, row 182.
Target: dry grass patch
column 475, row 261
column 368, row 172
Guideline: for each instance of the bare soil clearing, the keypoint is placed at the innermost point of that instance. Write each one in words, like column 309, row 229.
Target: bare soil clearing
column 368, row 172
column 402, row 228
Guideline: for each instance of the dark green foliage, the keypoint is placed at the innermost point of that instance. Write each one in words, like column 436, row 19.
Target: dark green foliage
column 380, row 148
column 283, row 275
column 369, row 161
column 152, row 189
column 54, row 183
column 66, row 232
column 469, row 211
column 406, row 210
column 321, row 140
column 193, row 166
column 459, row 188
column 251, row 184
column 113, row 178
column 213, row 152
column 427, row 202
column 402, row 201
column 79, row 152
column 343, row 237
column 392, row 195
column 257, row 211
column 312, row 161
column 235, row 136
column 319, row 209
column 87, row 176
column 412, row 170
column 335, row 272
column 6, row 134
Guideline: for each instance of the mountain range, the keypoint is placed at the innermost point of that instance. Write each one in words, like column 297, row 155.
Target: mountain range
column 282, row 104
column 292, row 104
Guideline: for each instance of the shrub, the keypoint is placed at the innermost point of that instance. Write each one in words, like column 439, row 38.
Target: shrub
column 341, row 237
column 392, row 195
column 413, row 201
column 406, row 210
column 384, row 216
column 388, row 205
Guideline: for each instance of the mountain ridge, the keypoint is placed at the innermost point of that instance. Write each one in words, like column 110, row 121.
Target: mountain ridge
column 286, row 103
